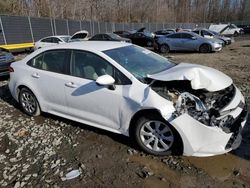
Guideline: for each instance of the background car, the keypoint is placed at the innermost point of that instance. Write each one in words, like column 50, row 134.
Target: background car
column 212, row 34
column 143, row 38
column 79, row 36
column 116, row 86
column 51, row 40
column 6, row 58
column 164, row 32
column 226, row 29
column 124, row 34
column 109, row 37
column 187, row 41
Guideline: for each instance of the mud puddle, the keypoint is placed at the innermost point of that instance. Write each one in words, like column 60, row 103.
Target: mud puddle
column 161, row 175
column 222, row 167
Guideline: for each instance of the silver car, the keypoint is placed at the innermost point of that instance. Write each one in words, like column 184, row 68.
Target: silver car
column 187, row 41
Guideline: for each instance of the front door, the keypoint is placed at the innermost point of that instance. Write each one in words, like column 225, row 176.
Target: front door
column 89, row 102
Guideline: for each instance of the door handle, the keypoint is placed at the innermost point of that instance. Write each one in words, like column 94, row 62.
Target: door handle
column 71, row 85
column 35, row 75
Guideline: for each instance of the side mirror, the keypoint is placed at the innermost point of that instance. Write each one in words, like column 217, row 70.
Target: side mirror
column 106, row 80
column 193, row 38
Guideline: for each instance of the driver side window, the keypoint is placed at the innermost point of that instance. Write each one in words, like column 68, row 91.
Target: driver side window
column 90, row 66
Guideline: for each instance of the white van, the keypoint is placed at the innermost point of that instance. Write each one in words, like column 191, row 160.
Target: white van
column 226, row 29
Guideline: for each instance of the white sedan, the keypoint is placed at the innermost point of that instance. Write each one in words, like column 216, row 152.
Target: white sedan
column 166, row 107
column 51, row 40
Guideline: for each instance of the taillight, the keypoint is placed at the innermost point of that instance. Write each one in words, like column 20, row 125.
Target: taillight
column 11, row 69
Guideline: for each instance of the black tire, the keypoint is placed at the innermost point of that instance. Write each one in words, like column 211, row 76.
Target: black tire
column 205, row 48
column 174, row 145
column 164, row 48
column 28, row 102
column 149, row 44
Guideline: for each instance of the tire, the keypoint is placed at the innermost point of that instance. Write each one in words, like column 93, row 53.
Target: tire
column 149, row 44
column 29, row 103
column 164, row 49
column 155, row 136
column 205, row 48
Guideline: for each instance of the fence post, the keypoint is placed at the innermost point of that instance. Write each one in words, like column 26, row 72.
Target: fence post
column 67, row 22
column 54, row 20
column 99, row 30
column 51, row 24
column 80, row 24
column 1, row 24
column 91, row 33
column 31, row 30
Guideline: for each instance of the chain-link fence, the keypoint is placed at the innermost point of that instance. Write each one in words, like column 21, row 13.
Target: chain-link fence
column 19, row 29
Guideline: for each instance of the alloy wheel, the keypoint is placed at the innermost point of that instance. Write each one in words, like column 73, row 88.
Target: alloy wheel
column 156, row 136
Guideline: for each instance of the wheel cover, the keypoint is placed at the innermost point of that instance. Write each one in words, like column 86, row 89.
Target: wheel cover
column 205, row 48
column 156, row 136
column 164, row 49
column 149, row 43
column 28, row 102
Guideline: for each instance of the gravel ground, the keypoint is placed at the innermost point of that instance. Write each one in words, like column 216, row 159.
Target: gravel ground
column 40, row 151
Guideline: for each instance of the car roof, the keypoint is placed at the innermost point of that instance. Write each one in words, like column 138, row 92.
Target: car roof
column 91, row 45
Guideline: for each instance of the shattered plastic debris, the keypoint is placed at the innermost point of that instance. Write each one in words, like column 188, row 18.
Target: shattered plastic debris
column 71, row 175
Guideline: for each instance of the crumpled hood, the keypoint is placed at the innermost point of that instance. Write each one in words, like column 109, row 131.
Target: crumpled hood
column 201, row 77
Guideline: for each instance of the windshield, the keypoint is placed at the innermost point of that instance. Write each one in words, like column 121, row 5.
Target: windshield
column 139, row 61
column 148, row 34
column 65, row 39
column 114, row 36
column 215, row 33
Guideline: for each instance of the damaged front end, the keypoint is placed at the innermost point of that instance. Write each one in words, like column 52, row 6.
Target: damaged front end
column 220, row 111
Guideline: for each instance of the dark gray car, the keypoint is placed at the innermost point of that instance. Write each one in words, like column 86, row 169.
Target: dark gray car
column 109, row 37
column 6, row 58
column 187, row 41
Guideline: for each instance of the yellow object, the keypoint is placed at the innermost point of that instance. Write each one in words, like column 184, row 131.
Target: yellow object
column 17, row 46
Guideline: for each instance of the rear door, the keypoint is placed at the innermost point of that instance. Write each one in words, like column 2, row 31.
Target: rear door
column 48, row 73
column 188, row 43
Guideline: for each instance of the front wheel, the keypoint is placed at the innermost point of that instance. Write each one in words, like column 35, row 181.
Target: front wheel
column 29, row 102
column 205, row 48
column 155, row 136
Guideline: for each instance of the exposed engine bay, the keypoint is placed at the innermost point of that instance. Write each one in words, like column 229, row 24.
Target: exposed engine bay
column 202, row 105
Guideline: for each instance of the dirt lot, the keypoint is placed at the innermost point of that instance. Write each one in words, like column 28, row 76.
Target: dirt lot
column 38, row 152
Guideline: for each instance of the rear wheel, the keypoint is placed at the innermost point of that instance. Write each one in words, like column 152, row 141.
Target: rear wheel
column 149, row 44
column 157, row 137
column 205, row 48
column 164, row 49
column 29, row 102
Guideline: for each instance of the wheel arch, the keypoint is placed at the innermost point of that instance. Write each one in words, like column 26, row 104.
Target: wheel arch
column 18, row 89
column 164, row 44
column 205, row 43
column 155, row 112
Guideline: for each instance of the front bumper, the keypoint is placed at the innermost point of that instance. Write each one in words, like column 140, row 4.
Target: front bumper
column 201, row 140
column 216, row 47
